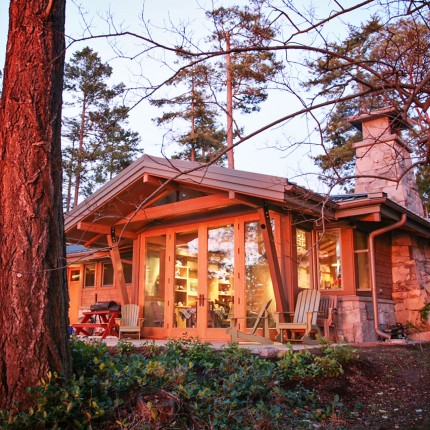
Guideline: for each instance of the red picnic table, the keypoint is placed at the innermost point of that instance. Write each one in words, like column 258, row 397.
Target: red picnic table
column 104, row 320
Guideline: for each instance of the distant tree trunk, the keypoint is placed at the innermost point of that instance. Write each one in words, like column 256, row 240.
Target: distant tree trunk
column 33, row 288
column 80, row 153
column 229, row 89
column 69, row 171
column 193, row 122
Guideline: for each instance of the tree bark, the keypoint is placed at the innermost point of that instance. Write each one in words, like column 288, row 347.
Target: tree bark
column 33, row 287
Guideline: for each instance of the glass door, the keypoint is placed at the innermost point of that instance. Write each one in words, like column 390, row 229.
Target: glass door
column 220, row 274
column 258, row 283
column 155, row 282
column 185, row 288
column 203, row 293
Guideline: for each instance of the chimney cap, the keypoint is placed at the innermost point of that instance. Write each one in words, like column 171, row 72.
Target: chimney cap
column 395, row 116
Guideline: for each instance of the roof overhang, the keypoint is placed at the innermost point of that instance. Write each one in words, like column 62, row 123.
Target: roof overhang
column 378, row 208
column 135, row 200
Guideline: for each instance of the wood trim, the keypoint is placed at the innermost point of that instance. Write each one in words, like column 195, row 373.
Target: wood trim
column 347, row 261
column 272, row 259
column 289, row 258
column 359, row 211
column 179, row 208
column 157, row 181
column 136, row 273
column 241, row 199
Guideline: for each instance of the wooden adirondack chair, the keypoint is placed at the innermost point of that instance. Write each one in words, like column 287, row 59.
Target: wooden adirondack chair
column 327, row 315
column 263, row 317
column 304, row 319
column 130, row 323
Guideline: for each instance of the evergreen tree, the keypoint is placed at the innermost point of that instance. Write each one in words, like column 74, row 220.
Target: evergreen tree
column 243, row 76
column 100, row 119
column 397, row 59
column 205, row 138
column 114, row 147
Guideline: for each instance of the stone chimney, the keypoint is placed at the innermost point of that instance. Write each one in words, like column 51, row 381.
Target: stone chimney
column 383, row 153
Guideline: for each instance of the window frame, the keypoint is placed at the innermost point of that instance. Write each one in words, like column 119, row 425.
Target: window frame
column 357, row 252
column 94, row 265
column 337, row 284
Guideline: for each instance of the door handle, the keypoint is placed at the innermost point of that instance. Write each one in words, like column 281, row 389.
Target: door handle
column 201, row 299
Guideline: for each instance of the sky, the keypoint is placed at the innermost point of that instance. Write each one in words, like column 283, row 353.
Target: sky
column 258, row 154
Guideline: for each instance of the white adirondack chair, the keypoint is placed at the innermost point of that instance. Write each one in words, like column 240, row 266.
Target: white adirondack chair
column 304, row 318
column 130, row 323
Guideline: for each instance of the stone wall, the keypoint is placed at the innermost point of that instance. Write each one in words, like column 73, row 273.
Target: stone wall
column 411, row 276
column 355, row 318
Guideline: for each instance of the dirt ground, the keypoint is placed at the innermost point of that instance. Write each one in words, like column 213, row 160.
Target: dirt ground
column 389, row 388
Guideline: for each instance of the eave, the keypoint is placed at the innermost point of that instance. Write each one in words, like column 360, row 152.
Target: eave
column 380, row 209
column 131, row 202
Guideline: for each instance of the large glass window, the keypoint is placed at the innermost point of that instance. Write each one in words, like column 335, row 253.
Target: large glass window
column 128, row 272
column 75, row 275
column 329, row 260
column 258, row 288
column 186, row 276
column 127, row 265
column 220, row 275
column 90, row 276
column 361, row 252
column 155, row 287
column 303, row 250
column 107, row 280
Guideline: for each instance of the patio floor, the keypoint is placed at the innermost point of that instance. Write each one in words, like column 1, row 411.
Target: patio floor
column 254, row 347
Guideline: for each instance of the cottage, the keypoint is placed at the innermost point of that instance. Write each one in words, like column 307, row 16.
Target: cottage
column 195, row 246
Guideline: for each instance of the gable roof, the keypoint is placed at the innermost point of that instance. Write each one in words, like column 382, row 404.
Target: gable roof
column 146, row 176
column 131, row 200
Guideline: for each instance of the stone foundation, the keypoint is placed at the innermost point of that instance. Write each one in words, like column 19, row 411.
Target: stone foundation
column 355, row 318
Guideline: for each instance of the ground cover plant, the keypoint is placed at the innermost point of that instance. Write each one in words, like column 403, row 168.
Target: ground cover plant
column 188, row 385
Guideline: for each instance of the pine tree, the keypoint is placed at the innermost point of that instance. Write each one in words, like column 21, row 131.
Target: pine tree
column 205, row 138
column 244, row 76
column 114, row 147
column 397, row 60
column 100, row 119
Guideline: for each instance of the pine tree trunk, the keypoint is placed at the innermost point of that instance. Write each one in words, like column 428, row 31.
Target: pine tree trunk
column 70, row 178
column 80, row 153
column 33, row 288
column 229, row 89
column 193, row 122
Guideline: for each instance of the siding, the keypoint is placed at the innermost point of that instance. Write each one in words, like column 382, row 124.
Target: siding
column 384, row 277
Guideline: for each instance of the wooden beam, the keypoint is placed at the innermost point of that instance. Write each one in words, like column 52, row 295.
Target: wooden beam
column 180, row 208
column 157, row 182
column 118, row 269
column 248, row 201
column 272, row 260
column 376, row 217
column 130, row 217
column 349, row 212
column 102, row 229
column 94, row 239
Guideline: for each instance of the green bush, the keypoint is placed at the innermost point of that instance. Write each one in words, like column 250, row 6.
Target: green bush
column 230, row 388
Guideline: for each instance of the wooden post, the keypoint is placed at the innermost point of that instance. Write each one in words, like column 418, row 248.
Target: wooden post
column 272, row 259
column 118, row 269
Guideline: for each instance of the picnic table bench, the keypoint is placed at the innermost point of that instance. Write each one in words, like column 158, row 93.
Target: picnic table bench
column 106, row 322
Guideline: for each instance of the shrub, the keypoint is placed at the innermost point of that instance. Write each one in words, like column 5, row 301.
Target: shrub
column 230, row 388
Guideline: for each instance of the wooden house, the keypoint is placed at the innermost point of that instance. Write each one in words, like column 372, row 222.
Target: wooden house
column 194, row 246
